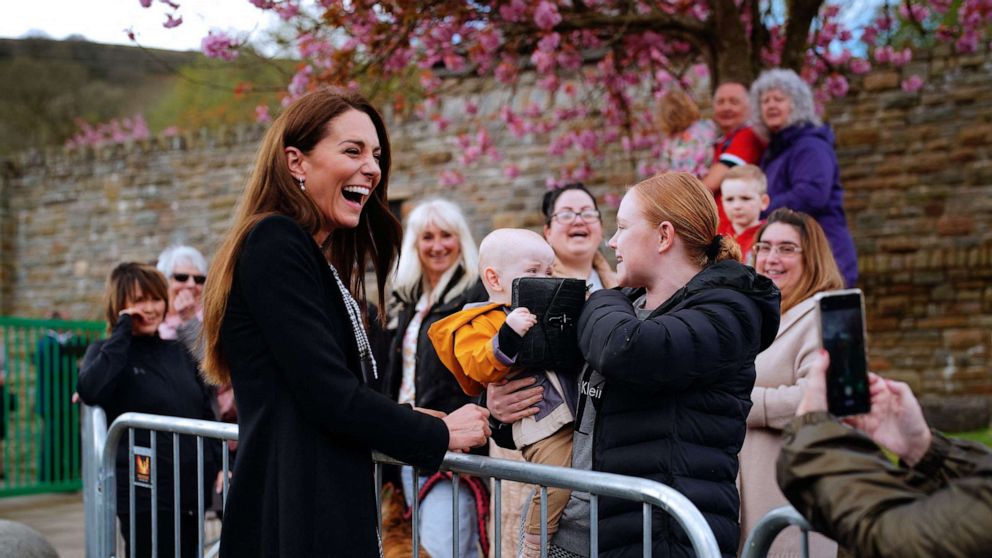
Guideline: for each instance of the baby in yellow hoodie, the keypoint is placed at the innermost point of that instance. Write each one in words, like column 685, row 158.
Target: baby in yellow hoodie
column 479, row 345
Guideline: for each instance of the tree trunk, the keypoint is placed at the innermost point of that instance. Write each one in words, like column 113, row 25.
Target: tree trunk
column 797, row 28
column 730, row 53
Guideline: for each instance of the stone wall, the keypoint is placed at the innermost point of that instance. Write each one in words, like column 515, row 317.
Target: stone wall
column 917, row 168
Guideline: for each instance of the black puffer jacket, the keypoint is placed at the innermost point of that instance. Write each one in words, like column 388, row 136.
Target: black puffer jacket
column 676, row 399
column 436, row 388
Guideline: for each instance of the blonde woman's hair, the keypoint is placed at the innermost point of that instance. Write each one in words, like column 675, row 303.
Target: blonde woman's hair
column 410, row 273
column 682, row 200
column 820, row 271
column 678, row 111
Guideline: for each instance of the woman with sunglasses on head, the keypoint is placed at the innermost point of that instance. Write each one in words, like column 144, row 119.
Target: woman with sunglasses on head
column 186, row 269
column 793, row 252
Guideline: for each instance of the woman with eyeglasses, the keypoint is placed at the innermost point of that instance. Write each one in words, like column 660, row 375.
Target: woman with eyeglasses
column 793, row 252
column 186, row 269
column 574, row 229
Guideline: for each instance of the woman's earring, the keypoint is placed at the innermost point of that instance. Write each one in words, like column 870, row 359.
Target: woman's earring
column 303, row 184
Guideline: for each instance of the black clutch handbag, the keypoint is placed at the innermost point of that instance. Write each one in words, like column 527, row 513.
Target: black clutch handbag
column 552, row 344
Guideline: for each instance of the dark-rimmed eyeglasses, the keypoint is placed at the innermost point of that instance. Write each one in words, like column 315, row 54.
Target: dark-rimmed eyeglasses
column 784, row 250
column 183, row 277
column 567, row 216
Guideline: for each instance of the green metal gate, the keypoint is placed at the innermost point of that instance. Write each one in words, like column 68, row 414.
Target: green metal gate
column 39, row 424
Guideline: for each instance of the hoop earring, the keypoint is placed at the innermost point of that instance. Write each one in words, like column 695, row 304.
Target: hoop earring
column 303, row 184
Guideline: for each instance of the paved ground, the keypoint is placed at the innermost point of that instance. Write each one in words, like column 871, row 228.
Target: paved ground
column 58, row 517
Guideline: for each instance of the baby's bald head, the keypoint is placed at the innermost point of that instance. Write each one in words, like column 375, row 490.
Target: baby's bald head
column 506, row 254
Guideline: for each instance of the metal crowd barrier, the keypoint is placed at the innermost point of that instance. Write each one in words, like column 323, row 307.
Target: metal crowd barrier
column 760, row 539
column 100, row 482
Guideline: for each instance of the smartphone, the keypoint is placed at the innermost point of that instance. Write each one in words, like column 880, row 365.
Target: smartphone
column 842, row 334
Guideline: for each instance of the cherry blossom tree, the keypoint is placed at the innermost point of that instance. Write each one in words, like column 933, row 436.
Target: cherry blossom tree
column 599, row 63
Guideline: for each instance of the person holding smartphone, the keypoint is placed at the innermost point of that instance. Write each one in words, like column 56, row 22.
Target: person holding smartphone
column 792, row 250
column 936, row 501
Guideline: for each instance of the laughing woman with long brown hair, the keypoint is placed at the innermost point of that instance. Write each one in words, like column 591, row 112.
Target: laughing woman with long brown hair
column 284, row 322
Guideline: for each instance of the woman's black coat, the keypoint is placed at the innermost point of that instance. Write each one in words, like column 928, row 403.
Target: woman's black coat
column 146, row 374
column 676, row 399
column 303, row 482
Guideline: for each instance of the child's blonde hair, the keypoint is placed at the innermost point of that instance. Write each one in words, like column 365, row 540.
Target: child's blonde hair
column 749, row 173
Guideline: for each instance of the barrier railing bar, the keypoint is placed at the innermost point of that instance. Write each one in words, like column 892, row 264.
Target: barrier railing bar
column 544, row 522
column 647, row 530
column 498, row 527
column 175, row 494
column 760, row 540
column 132, row 529
column 593, row 526
column 199, row 496
column 153, row 442
column 594, row 482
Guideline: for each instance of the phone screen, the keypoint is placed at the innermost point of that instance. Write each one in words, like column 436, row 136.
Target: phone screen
column 842, row 325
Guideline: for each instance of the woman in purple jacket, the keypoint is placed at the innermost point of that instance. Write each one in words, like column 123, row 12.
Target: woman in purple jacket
column 800, row 161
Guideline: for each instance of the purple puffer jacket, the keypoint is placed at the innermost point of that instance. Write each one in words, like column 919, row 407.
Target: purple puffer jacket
column 802, row 172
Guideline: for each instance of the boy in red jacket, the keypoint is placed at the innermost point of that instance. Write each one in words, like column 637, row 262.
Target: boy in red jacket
column 745, row 196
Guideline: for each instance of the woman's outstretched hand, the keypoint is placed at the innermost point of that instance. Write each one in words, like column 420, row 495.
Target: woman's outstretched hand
column 468, row 427
column 510, row 401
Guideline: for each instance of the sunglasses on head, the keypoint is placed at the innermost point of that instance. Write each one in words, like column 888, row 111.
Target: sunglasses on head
column 183, row 277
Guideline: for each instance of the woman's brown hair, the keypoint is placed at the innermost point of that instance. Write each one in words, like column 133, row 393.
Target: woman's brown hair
column 820, row 272
column 124, row 282
column 678, row 111
column 271, row 189
column 682, row 200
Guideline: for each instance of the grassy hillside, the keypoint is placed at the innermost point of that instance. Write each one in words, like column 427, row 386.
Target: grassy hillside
column 45, row 85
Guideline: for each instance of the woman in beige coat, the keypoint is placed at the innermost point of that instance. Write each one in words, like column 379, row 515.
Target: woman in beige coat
column 793, row 252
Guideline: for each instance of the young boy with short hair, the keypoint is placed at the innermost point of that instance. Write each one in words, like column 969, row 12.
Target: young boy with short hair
column 745, row 196
column 479, row 345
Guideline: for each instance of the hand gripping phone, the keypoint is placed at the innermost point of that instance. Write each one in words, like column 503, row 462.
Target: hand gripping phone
column 841, row 317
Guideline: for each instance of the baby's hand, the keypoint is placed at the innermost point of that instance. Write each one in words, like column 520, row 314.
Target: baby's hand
column 521, row 320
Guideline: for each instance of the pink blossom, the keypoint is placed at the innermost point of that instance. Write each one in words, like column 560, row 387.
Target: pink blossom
column 454, row 62
column 170, row 4
column 549, row 42
column 543, row 61
column 298, row 85
column 587, row 140
column 869, row 35
column 511, row 171
column 837, row 85
column 883, row 54
column 549, row 83
column 262, row 114
column 219, row 45
column 546, row 15
column 506, row 72
column 171, row 22
column 169, row 131
column 967, row 43
column 860, row 66
column 912, row 84
column 287, row 10
column 471, row 108
column 145, row 3
column 514, row 11
column 451, row 178
column 263, row 4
